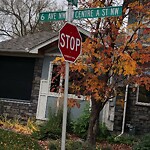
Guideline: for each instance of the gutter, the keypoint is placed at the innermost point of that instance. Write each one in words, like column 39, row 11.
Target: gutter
column 124, row 112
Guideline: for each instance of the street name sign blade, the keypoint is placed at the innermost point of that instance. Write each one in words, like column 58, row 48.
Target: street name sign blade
column 85, row 13
column 74, row 2
column 98, row 12
column 70, row 42
column 52, row 16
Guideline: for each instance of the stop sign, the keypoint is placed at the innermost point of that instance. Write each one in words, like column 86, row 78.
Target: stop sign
column 69, row 42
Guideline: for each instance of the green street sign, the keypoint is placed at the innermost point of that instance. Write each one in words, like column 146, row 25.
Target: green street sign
column 85, row 13
column 74, row 2
column 52, row 16
column 98, row 12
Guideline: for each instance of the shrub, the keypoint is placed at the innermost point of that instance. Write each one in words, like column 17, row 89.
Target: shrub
column 74, row 145
column 80, row 126
column 124, row 139
column 103, row 132
column 144, row 144
column 51, row 128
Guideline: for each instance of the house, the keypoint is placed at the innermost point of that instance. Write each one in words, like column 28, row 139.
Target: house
column 27, row 70
column 134, row 116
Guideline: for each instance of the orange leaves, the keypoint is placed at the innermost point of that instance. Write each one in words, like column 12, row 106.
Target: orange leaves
column 144, row 58
column 132, row 46
column 97, row 4
column 135, row 55
column 145, row 81
column 72, row 103
column 139, row 45
column 126, row 65
column 100, row 68
column 78, row 66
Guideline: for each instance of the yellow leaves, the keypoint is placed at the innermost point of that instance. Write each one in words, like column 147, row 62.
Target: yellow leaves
column 59, row 60
column 130, row 68
column 100, row 68
column 126, row 65
column 78, row 66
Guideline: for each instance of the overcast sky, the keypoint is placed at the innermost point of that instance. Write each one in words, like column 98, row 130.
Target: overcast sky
column 61, row 1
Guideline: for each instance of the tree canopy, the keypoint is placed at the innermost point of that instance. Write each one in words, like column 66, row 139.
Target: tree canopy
column 21, row 17
column 117, row 54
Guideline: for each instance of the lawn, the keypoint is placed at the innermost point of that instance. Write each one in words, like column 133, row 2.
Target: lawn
column 10, row 140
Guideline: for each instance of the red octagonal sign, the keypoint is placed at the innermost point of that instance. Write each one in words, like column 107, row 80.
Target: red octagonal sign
column 69, row 42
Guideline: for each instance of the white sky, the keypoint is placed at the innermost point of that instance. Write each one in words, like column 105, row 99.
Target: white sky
column 61, row 1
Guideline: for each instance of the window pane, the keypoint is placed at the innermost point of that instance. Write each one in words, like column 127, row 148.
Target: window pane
column 16, row 75
column 55, row 79
column 144, row 95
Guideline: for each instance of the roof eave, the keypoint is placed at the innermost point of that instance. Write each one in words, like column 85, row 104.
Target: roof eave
column 36, row 48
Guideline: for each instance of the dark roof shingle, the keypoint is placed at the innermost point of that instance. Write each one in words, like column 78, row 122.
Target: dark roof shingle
column 26, row 43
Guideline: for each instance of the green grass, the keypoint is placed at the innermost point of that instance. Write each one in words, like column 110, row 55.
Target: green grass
column 10, row 140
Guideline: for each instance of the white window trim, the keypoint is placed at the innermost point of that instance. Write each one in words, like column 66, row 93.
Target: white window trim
column 54, row 94
column 137, row 97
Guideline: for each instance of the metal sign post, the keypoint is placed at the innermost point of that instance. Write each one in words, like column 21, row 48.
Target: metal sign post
column 63, row 138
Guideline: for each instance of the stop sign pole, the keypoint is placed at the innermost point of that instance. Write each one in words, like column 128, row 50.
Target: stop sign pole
column 63, row 138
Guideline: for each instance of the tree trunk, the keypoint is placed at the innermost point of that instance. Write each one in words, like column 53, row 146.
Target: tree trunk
column 94, row 122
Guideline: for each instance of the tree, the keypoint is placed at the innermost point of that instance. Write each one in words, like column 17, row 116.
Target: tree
column 116, row 54
column 113, row 56
column 20, row 17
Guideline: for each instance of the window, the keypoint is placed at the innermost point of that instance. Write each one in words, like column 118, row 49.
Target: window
column 143, row 96
column 56, row 81
column 16, row 75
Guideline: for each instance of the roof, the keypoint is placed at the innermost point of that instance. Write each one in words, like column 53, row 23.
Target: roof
column 26, row 43
column 33, row 42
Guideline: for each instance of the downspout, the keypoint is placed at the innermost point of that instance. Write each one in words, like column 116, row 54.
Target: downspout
column 124, row 111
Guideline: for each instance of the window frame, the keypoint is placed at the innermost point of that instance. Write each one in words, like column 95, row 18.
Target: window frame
column 59, row 94
column 137, row 98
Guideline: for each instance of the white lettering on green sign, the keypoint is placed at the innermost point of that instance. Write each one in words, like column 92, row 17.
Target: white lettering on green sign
column 52, row 16
column 98, row 12
column 62, row 15
column 85, row 13
column 114, row 11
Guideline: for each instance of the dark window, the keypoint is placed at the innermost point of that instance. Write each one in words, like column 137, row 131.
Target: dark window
column 16, row 75
column 55, row 79
column 144, row 95
column 58, row 81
